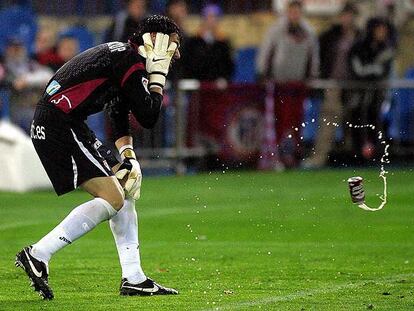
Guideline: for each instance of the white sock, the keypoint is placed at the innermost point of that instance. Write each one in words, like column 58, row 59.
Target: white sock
column 124, row 227
column 80, row 221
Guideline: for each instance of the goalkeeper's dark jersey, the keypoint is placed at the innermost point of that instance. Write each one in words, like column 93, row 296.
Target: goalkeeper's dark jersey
column 110, row 77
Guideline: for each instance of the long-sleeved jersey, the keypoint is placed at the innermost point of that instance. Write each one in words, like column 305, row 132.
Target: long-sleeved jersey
column 110, row 77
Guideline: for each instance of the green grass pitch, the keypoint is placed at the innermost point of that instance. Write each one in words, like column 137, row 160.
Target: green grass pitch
column 275, row 241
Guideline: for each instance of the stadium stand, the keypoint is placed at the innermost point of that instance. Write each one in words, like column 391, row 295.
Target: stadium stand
column 21, row 22
column 82, row 34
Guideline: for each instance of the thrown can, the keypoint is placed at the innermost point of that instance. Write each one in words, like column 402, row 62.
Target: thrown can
column 356, row 188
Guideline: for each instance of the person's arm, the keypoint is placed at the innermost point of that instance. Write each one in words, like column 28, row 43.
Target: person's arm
column 144, row 105
column 129, row 168
column 368, row 71
column 36, row 78
column 128, row 171
column 228, row 64
column 266, row 50
column 385, row 59
column 124, row 142
column 39, row 77
column 314, row 57
column 354, row 62
column 145, row 95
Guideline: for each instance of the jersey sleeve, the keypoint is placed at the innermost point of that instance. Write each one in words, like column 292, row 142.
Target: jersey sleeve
column 132, row 80
column 144, row 105
column 118, row 113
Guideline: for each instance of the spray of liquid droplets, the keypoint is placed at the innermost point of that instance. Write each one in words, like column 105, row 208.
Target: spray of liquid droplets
column 383, row 172
column 384, row 160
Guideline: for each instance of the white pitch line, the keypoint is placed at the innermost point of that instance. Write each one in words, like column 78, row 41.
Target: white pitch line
column 303, row 294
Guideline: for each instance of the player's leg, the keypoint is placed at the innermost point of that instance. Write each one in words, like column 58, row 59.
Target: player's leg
column 108, row 199
column 34, row 259
column 124, row 228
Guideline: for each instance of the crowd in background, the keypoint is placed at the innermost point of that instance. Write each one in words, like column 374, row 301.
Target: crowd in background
column 291, row 53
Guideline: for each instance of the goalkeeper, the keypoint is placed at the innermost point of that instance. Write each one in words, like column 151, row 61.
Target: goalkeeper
column 123, row 79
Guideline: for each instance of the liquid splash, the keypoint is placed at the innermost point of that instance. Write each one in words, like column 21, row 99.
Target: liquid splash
column 384, row 160
column 383, row 173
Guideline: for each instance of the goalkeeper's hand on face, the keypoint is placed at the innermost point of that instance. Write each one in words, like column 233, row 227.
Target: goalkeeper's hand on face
column 158, row 57
column 130, row 173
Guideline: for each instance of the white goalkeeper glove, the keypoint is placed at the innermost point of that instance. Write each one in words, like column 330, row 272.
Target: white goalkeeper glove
column 130, row 169
column 158, row 57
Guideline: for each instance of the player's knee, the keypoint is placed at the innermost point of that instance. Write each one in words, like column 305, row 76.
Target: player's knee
column 115, row 198
column 108, row 189
column 118, row 200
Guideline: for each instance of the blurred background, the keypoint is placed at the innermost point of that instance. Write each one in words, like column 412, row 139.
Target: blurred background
column 268, row 85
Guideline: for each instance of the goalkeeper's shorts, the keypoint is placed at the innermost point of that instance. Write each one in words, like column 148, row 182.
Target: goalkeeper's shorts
column 69, row 151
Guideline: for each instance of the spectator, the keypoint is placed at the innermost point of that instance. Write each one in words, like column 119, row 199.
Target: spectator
column 27, row 78
column 207, row 56
column 370, row 59
column 288, row 55
column 45, row 50
column 127, row 21
column 67, row 48
column 335, row 44
column 177, row 10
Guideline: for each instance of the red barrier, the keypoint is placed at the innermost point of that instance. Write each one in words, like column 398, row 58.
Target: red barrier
column 229, row 122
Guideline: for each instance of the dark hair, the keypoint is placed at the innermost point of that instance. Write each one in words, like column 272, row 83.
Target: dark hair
column 293, row 3
column 155, row 23
column 174, row 2
column 127, row 2
column 349, row 7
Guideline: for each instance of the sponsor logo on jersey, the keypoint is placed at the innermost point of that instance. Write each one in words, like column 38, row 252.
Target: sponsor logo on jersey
column 37, row 132
column 63, row 97
column 53, row 87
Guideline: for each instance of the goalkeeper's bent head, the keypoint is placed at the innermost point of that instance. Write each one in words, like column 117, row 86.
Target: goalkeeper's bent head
column 154, row 24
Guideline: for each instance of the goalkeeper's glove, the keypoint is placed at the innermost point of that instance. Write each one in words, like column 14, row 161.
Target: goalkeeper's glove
column 131, row 169
column 158, row 57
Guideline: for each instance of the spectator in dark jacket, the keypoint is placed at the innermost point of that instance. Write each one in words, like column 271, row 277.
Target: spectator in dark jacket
column 126, row 22
column 370, row 60
column 177, row 10
column 207, row 56
column 335, row 44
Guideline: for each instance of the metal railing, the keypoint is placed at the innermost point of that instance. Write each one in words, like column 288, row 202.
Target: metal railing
column 156, row 153
column 180, row 152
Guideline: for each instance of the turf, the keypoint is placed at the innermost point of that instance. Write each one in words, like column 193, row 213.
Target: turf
column 275, row 241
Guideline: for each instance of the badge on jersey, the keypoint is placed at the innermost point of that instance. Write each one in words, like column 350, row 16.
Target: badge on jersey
column 53, row 87
column 145, row 84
